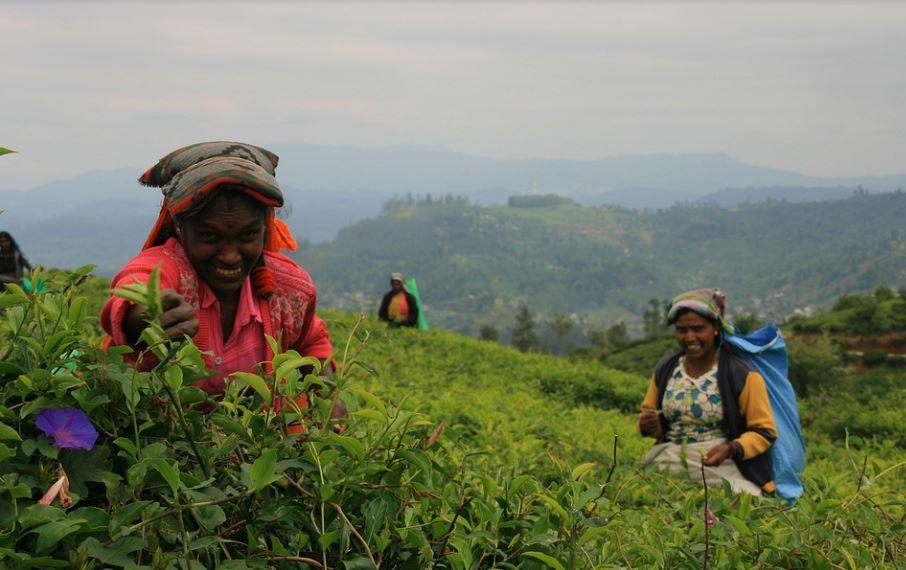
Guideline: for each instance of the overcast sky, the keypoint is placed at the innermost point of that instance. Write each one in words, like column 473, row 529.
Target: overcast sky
column 818, row 88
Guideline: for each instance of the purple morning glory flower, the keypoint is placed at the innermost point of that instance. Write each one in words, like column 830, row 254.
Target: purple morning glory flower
column 70, row 428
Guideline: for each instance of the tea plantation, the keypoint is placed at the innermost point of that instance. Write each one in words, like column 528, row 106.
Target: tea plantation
column 457, row 453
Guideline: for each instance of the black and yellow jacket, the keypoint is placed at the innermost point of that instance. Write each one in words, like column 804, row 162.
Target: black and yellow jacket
column 748, row 420
column 411, row 320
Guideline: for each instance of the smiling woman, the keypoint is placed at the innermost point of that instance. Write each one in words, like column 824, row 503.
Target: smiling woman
column 223, row 280
column 707, row 408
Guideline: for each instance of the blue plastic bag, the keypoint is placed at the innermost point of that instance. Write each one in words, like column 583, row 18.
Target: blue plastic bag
column 765, row 350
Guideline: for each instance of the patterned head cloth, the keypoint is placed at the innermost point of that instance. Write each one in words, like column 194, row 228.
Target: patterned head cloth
column 179, row 160
column 709, row 303
column 188, row 175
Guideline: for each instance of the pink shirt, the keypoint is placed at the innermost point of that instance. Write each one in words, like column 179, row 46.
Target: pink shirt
column 245, row 348
column 288, row 314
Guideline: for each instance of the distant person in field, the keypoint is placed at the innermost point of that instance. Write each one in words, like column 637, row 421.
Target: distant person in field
column 223, row 279
column 705, row 405
column 13, row 264
column 399, row 307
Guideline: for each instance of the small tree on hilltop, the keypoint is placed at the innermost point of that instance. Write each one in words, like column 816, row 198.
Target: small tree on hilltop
column 867, row 319
column 488, row 332
column 523, row 334
column 561, row 325
column 617, row 335
column 849, row 301
column 884, row 293
column 654, row 319
column 746, row 323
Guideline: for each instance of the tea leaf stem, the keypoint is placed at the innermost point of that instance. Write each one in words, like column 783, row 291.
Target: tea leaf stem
column 349, row 342
column 706, row 517
column 355, row 532
column 174, row 348
column 169, row 512
column 310, row 561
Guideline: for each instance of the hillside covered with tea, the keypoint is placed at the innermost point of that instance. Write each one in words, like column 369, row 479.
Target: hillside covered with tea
column 458, row 453
column 476, row 265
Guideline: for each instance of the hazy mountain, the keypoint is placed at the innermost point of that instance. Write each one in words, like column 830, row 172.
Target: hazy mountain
column 639, row 198
column 57, row 197
column 638, row 182
column 98, row 217
column 103, row 216
column 653, row 198
column 420, row 170
column 736, row 196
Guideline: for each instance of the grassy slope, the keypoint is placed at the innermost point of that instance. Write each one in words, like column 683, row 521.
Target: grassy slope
column 885, row 317
column 503, row 403
column 494, row 396
column 543, row 415
column 520, row 407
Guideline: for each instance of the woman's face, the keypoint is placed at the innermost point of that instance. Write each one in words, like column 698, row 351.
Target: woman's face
column 5, row 243
column 696, row 335
column 224, row 241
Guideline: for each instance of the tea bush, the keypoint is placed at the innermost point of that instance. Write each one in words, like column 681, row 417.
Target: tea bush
column 874, row 357
column 456, row 454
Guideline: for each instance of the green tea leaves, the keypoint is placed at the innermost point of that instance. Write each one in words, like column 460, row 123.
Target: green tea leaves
column 262, row 472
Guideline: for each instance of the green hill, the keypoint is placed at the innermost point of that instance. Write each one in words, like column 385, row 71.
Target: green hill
column 867, row 315
column 477, row 264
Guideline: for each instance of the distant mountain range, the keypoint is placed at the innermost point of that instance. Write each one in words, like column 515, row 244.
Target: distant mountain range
column 402, row 169
column 103, row 217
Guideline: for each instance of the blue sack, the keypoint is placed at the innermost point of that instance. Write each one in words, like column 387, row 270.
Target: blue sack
column 765, row 350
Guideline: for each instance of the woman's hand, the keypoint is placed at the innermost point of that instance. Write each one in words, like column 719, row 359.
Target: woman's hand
column 178, row 318
column 649, row 422
column 338, row 415
column 719, row 453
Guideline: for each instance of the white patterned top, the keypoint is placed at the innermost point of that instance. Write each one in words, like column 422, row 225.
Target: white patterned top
column 692, row 406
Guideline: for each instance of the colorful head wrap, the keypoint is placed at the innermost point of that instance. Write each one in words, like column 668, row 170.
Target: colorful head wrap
column 181, row 159
column 188, row 175
column 709, row 303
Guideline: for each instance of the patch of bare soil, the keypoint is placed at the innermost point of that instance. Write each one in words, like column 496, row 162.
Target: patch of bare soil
column 891, row 343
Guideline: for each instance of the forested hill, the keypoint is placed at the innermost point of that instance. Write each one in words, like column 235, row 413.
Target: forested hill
column 476, row 264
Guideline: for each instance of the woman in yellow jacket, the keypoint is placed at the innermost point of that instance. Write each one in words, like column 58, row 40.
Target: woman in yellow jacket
column 706, row 406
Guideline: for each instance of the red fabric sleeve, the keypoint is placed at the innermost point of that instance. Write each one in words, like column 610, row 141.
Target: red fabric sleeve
column 314, row 340
column 137, row 269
